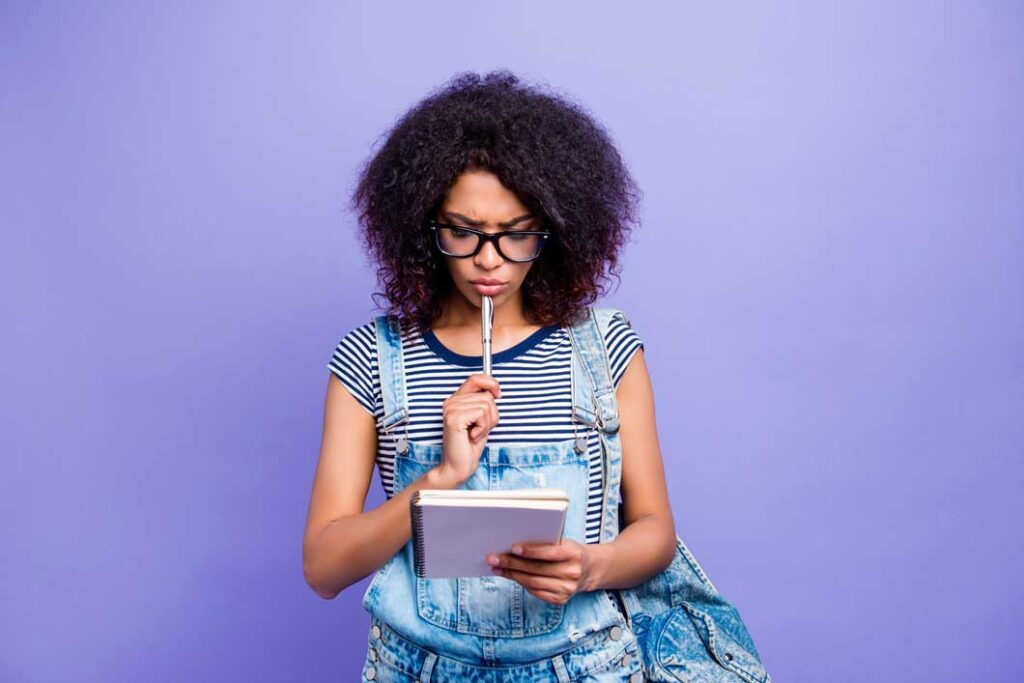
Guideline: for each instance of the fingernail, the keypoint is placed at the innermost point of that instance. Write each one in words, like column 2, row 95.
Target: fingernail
column 492, row 560
column 517, row 549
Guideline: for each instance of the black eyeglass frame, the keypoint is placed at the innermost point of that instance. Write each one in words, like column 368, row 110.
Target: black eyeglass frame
column 483, row 237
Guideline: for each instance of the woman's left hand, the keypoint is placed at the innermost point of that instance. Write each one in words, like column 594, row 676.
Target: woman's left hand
column 552, row 572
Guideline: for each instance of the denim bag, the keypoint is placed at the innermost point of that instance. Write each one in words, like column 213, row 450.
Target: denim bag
column 687, row 631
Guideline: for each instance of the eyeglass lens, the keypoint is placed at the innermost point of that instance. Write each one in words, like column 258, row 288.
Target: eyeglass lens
column 515, row 247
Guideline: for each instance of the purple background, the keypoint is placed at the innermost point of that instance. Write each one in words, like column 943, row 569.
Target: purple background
column 828, row 280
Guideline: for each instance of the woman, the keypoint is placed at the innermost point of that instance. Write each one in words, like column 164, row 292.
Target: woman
column 482, row 157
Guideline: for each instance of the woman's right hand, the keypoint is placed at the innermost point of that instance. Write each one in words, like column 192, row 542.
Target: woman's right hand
column 469, row 415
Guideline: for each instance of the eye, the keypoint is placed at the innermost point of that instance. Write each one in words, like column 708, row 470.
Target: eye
column 460, row 233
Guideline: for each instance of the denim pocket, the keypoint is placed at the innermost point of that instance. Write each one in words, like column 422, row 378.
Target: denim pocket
column 687, row 645
column 494, row 605
column 485, row 606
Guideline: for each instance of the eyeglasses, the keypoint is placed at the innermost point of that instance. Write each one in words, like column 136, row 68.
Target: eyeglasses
column 513, row 245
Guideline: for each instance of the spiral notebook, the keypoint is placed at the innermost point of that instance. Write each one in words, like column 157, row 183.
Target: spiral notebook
column 454, row 530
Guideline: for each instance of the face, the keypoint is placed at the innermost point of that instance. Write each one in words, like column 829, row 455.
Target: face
column 478, row 200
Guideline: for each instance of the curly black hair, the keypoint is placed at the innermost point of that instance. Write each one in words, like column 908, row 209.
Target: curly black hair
column 544, row 147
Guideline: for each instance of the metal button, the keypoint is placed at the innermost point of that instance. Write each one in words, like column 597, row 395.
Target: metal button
column 371, row 674
column 615, row 633
column 375, row 631
column 627, row 659
column 728, row 655
column 636, row 678
column 373, row 655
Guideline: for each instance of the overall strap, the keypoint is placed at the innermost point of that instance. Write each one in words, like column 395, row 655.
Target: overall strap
column 594, row 405
column 391, row 368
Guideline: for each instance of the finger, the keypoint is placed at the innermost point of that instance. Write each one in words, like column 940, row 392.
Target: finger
column 488, row 418
column 465, row 417
column 562, row 570
column 462, row 418
column 551, row 552
column 492, row 414
column 480, row 382
column 471, row 402
column 459, row 420
column 533, row 581
column 471, row 397
column 547, row 596
column 553, row 597
column 481, row 433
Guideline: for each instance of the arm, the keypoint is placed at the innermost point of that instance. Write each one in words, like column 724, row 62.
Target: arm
column 646, row 545
column 342, row 544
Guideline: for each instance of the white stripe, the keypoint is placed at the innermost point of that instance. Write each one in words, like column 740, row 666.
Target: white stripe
column 535, row 405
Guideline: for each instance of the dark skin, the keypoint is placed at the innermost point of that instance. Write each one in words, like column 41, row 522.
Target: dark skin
column 343, row 543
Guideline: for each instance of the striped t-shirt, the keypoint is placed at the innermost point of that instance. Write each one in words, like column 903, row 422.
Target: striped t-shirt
column 536, row 393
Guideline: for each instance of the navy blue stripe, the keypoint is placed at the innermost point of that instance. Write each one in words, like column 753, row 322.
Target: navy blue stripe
column 535, row 404
column 477, row 361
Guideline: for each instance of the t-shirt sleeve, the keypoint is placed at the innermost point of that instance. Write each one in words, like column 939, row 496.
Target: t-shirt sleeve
column 622, row 343
column 354, row 362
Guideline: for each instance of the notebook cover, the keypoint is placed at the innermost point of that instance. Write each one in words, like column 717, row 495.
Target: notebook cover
column 454, row 541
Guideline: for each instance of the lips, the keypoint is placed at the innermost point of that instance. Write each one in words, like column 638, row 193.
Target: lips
column 486, row 281
column 488, row 290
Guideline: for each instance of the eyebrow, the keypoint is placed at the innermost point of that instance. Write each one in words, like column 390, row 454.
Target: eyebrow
column 470, row 221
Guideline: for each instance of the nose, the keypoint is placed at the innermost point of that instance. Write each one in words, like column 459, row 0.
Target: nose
column 488, row 256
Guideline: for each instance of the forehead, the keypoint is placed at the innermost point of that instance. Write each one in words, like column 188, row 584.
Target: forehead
column 479, row 195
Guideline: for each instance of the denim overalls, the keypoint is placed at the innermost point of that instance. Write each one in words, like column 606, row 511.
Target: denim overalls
column 489, row 629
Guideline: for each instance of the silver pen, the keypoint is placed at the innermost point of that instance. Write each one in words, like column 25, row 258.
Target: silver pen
column 486, row 323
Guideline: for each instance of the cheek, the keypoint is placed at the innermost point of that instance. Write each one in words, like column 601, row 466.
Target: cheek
column 454, row 266
column 524, row 272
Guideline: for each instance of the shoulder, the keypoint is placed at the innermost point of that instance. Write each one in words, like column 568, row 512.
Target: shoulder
column 354, row 362
column 620, row 339
column 615, row 327
column 360, row 342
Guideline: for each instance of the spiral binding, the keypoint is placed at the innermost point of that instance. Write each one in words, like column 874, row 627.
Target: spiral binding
column 418, row 546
